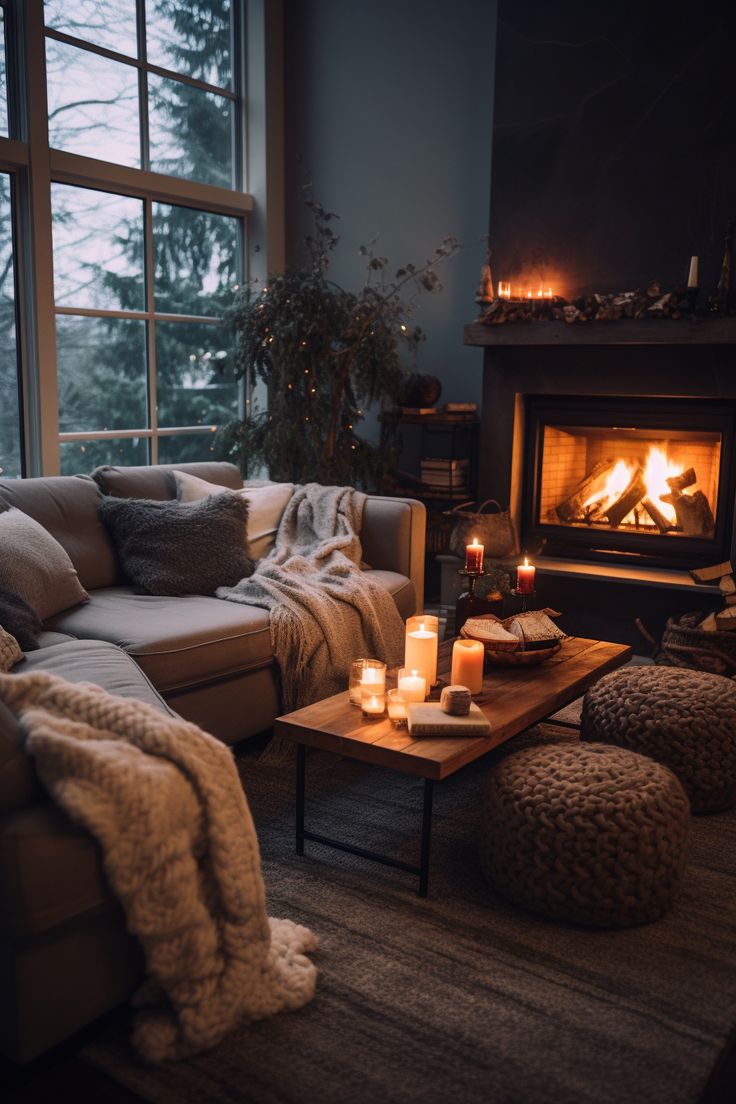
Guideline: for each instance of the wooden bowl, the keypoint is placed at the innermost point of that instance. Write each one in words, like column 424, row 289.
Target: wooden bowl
column 521, row 657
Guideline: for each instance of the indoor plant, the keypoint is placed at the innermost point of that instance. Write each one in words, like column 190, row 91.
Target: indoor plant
column 324, row 353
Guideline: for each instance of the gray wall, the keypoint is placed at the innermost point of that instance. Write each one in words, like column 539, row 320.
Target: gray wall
column 390, row 105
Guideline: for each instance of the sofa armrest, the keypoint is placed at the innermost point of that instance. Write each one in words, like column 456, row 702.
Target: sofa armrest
column 393, row 538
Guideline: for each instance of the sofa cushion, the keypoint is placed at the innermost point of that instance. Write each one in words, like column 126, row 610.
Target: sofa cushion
column 67, row 507
column 158, row 482
column 266, row 505
column 178, row 642
column 34, row 565
column 178, row 548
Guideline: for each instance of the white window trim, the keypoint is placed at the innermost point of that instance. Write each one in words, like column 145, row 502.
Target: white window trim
column 259, row 151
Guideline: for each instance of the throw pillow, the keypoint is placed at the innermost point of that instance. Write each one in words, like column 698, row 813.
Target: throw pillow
column 266, row 505
column 180, row 547
column 35, row 566
column 19, row 619
column 10, row 652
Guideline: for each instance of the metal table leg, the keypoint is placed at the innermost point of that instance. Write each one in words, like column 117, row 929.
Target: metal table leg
column 426, row 837
column 301, row 764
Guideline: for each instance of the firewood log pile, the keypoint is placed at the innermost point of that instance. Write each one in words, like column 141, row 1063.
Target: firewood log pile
column 694, row 517
column 722, row 576
column 652, row 303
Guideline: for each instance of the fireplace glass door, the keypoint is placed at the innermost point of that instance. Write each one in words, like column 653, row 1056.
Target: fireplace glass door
column 650, row 482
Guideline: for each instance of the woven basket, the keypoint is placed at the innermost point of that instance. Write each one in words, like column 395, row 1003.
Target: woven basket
column 704, row 651
column 502, row 657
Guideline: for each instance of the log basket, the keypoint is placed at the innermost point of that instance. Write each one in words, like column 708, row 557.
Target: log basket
column 683, row 646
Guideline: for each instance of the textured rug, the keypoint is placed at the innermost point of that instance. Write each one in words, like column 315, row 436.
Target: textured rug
column 460, row 996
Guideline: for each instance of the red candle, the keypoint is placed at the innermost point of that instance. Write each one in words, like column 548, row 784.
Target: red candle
column 525, row 577
column 474, row 557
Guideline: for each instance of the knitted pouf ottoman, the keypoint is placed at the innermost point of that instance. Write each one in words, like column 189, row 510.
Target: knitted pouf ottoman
column 591, row 834
column 685, row 719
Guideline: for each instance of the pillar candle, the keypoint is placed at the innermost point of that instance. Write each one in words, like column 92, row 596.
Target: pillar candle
column 467, row 664
column 420, row 652
column 525, row 577
column 415, row 656
column 474, row 556
column 692, row 278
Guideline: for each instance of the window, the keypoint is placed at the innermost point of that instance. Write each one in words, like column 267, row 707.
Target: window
column 139, row 229
column 10, row 422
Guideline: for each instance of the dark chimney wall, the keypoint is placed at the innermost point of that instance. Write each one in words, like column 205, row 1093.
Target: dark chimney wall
column 614, row 149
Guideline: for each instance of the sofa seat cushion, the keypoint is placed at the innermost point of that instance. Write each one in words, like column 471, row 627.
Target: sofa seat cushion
column 50, row 871
column 178, row 642
column 399, row 587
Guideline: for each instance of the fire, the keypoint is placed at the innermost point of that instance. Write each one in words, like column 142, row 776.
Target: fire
column 658, row 468
column 542, row 292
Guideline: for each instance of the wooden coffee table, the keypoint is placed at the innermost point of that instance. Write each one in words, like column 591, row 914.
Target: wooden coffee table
column 518, row 697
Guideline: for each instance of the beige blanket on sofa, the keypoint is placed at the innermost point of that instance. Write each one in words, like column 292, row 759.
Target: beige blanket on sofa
column 324, row 611
column 164, row 801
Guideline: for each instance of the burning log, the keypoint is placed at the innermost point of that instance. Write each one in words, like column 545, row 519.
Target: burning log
column 656, row 515
column 684, row 479
column 694, row 514
column 573, row 508
column 626, row 502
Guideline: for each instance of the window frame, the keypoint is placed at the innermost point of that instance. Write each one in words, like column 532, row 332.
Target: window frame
column 258, row 158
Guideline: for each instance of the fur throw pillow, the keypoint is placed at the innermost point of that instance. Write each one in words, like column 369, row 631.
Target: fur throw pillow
column 180, row 547
column 19, row 619
column 10, row 652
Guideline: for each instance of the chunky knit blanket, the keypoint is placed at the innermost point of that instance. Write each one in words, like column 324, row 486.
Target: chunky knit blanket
column 164, row 802
column 324, row 611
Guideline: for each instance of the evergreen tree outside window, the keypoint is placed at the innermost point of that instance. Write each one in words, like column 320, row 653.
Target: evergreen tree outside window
column 142, row 270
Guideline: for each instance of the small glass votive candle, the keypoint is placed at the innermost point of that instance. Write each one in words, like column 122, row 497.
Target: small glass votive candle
column 368, row 672
column 396, row 706
column 372, row 700
column 413, row 684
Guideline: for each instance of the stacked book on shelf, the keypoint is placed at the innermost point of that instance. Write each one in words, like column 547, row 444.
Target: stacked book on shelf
column 446, row 476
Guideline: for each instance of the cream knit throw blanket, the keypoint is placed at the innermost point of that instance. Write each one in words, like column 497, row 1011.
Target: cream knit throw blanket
column 164, row 801
column 324, row 611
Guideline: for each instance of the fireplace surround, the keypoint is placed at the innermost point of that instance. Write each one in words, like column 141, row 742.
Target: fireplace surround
column 629, row 479
column 681, row 368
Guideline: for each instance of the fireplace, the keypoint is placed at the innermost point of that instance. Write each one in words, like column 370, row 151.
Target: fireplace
column 648, row 480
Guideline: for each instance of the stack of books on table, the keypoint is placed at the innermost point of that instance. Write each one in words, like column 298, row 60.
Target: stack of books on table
column 445, row 476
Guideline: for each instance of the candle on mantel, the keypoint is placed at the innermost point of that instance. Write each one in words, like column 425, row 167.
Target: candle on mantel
column 417, row 653
column 525, row 577
column 467, row 664
column 692, row 277
column 412, row 684
column 474, row 557
column 420, row 648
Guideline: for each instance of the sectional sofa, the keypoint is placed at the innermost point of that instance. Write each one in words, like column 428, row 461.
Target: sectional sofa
column 65, row 957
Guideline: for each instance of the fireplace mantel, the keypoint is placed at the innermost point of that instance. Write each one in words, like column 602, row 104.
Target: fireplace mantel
column 706, row 331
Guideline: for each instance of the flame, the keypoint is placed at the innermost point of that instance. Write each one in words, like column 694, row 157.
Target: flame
column 658, row 468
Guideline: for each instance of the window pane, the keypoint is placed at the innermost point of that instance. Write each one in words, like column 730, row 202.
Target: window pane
column 93, row 105
column 196, row 260
column 102, row 373
column 190, row 132
column 193, row 39
column 10, row 436
column 194, row 375
column 81, row 457
column 109, row 23
column 184, row 448
column 3, row 83
column 98, row 249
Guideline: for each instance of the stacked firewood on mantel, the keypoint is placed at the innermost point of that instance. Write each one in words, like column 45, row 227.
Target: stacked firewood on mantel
column 722, row 576
column 652, row 303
